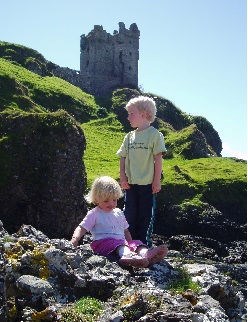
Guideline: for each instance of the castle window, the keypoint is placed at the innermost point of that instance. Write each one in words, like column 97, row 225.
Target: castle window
column 130, row 68
column 120, row 56
column 130, row 54
column 87, row 63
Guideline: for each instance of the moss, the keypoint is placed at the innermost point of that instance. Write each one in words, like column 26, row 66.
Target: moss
column 29, row 138
column 39, row 260
column 137, row 304
column 183, row 282
column 87, row 309
column 11, row 309
column 45, row 315
column 13, row 254
column 39, row 264
column 193, row 203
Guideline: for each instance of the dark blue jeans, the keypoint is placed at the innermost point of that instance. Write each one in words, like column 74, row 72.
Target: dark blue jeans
column 139, row 213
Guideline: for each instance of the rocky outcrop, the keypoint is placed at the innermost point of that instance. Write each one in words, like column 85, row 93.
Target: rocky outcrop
column 191, row 143
column 42, row 277
column 168, row 112
column 208, row 223
column 42, row 174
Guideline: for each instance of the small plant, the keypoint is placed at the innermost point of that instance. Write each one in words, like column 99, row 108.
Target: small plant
column 183, row 282
column 7, row 239
column 87, row 309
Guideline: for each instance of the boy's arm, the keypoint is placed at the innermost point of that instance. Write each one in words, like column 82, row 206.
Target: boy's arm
column 127, row 234
column 79, row 232
column 123, row 178
column 158, row 164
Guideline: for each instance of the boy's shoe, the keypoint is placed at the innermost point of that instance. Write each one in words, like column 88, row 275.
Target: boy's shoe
column 156, row 254
column 134, row 261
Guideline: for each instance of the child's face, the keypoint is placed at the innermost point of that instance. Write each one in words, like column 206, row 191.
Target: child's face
column 108, row 204
column 135, row 117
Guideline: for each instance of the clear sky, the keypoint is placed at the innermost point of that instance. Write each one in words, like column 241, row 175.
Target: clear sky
column 192, row 52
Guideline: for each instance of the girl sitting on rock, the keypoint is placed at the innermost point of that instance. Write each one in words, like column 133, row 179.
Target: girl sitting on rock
column 109, row 228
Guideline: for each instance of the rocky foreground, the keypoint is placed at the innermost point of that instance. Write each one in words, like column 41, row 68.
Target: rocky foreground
column 40, row 278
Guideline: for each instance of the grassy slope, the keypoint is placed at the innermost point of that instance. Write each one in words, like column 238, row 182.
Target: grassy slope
column 47, row 93
column 103, row 140
column 197, row 179
column 105, row 136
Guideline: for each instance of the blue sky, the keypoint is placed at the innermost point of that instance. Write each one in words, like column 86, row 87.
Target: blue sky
column 192, row 52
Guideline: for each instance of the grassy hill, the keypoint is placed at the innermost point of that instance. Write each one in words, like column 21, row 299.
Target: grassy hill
column 24, row 90
column 202, row 179
column 194, row 173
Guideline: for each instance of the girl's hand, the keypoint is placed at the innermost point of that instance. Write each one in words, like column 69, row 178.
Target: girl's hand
column 74, row 242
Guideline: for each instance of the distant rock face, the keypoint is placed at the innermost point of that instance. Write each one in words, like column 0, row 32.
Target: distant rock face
column 43, row 176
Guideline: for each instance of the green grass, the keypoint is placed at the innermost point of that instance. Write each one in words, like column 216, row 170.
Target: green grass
column 51, row 93
column 193, row 183
column 190, row 184
column 104, row 138
column 87, row 309
column 183, row 282
column 203, row 170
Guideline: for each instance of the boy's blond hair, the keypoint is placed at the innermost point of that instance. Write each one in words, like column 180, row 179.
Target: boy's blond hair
column 104, row 188
column 144, row 104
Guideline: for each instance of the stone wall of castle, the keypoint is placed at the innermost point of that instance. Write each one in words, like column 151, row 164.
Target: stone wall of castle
column 109, row 61
column 106, row 61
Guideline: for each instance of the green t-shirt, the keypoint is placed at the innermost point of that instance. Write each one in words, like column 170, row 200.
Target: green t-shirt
column 138, row 149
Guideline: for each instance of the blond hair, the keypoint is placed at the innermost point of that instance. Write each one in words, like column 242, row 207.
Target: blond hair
column 144, row 104
column 104, row 188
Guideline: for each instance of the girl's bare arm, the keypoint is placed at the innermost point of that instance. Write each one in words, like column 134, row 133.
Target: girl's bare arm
column 79, row 232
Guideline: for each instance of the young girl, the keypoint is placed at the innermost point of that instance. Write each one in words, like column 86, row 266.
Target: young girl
column 109, row 228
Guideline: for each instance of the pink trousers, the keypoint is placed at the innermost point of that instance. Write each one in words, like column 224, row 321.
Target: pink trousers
column 107, row 245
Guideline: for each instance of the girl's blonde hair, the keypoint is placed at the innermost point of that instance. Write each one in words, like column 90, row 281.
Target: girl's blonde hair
column 144, row 104
column 104, row 188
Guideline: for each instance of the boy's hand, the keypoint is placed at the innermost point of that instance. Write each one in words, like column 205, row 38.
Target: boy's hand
column 124, row 183
column 156, row 186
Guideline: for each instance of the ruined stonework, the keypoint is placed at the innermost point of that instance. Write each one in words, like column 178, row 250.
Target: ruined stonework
column 109, row 61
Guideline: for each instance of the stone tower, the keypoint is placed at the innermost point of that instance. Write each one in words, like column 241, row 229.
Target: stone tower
column 109, row 61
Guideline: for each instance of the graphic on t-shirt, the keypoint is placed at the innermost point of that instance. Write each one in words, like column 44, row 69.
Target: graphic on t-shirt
column 137, row 145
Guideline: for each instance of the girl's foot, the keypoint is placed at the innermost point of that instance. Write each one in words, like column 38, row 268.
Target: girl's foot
column 134, row 260
column 156, row 254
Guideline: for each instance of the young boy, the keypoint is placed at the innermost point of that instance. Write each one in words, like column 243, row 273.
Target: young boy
column 141, row 167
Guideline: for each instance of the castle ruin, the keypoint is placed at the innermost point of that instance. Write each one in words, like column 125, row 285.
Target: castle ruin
column 106, row 61
column 109, row 61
